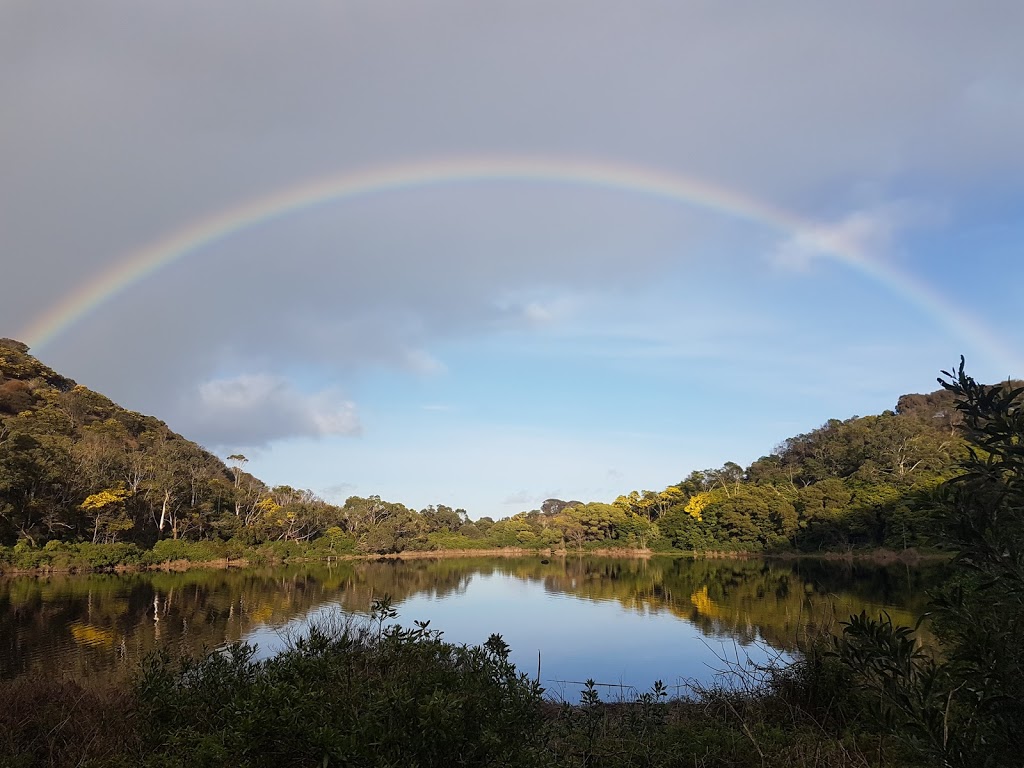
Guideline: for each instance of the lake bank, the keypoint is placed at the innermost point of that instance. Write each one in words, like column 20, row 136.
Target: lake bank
column 73, row 689
column 117, row 558
column 626, row 623
column 404, row 697
column 619, row 620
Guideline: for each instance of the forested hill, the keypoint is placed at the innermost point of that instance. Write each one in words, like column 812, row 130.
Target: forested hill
column 75, row 467
column 859, row 483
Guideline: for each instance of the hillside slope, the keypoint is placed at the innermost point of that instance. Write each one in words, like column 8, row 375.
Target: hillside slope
column 76, row 466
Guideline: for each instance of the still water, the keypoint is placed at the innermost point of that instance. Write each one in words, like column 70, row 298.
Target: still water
column 624, row 623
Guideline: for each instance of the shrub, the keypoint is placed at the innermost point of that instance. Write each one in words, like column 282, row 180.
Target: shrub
column 445, row 540
column 83, row 556
column 965, row 708
column 369, row 695
column 103, row 556
column 169, row 550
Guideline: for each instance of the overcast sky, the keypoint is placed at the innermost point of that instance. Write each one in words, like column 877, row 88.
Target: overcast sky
column 491, row 343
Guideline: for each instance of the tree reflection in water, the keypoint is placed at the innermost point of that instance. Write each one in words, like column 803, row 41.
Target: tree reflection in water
column 99, row 624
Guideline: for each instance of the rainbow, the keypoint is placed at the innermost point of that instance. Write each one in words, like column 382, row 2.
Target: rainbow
column 348, row 185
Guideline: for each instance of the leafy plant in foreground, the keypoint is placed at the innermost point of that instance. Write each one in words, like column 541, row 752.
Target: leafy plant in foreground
column 967, row 707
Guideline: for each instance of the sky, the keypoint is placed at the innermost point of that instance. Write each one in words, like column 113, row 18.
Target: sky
column 485, row 254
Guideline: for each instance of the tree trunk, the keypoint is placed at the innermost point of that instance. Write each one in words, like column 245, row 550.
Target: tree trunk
column 163, row 513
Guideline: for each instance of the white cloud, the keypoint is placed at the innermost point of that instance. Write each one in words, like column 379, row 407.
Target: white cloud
column 869, row 233
column 525, row 500
column 422, row 362
column 255, row 409
column 338, row 492
column 538, row 307
column 549, row 312
column 537, row 313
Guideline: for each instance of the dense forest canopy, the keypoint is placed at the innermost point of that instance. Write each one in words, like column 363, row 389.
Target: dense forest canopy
column 76, row 467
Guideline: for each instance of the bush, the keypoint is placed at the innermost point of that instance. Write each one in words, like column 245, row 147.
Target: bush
column 369, row 695
column 374, row 694
column 24, row 556
column 103, row 556
column 445, row 540
column 84, row 556
column 169, row 550
column 334, row 542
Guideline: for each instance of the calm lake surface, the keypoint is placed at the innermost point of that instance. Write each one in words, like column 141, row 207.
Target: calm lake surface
column 624, row 623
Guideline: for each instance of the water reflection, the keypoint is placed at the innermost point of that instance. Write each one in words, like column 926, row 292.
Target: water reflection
column 629, row 621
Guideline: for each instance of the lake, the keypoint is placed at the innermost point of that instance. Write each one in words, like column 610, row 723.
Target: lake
column 622, row 622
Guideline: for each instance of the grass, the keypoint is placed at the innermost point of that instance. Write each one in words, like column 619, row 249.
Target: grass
column 52, row 721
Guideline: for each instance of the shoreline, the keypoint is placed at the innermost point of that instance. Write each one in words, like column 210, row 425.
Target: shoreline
column 880, row 556
column 874, row 556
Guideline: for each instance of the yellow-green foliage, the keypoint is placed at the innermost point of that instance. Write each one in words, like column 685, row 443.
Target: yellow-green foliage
column 105, row 498
column 699, row 502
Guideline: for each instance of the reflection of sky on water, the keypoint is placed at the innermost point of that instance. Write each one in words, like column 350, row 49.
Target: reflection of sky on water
column 577, row 638
column 607, row 619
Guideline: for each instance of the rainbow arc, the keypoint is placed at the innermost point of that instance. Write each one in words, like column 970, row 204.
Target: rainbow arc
column 348, row 185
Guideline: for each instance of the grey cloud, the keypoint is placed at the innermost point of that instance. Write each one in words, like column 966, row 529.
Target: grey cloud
column 769, row 93
column 376, row 283
column 520, row 498
column 124, row 122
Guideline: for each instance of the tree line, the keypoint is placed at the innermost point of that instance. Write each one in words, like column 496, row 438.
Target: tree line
column 855, row 483
column 76, row 467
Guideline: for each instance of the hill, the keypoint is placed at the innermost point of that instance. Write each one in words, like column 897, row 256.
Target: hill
column 76, row 467
column 855, row 483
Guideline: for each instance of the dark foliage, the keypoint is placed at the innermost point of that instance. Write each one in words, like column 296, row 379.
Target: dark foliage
column 374, row 695
column 967, row 707
column 48, row 721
